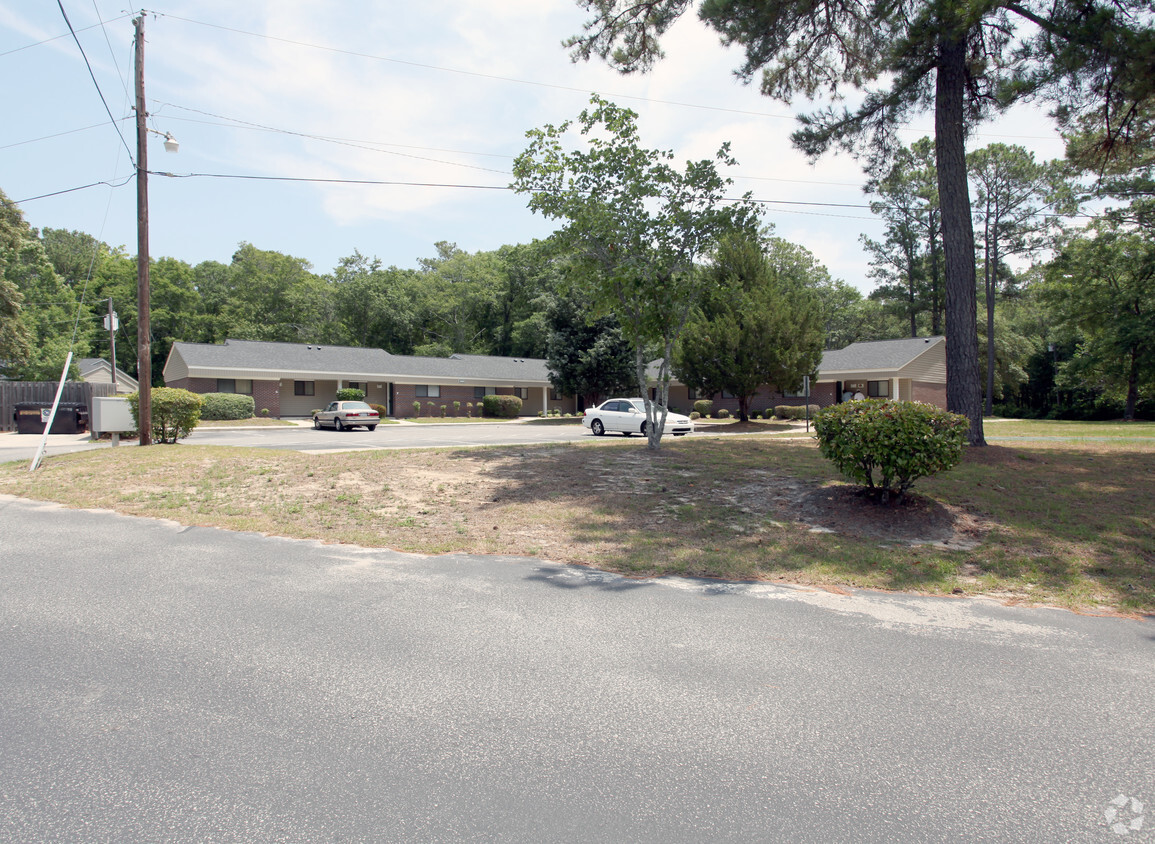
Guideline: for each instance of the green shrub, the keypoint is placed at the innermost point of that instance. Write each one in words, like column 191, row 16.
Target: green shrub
column 443, row 409
column 502, row 407
column 795, row 411
column 380, row 408
column 265, row 412
column 695, row 414
column 457, row 408
column 218, row 406
column 888, row 445
column 768, row 413
column 469, row 409
column 350, row 394
column 703, row 407
column 723, row 413
column 175, row 413
column 417, row 408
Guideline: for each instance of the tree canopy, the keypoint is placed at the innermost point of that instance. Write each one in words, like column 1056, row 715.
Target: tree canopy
column 634, row 225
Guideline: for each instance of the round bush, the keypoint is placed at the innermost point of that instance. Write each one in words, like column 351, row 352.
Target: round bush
column 219, row 406
column 888, row 445
column 723, row 414
column 502, row 407
column 175, row 413
column 703, row 407
column 350, row 394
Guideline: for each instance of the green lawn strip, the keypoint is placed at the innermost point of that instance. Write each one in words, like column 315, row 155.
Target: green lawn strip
column 1070, row 523
column 1060, row 428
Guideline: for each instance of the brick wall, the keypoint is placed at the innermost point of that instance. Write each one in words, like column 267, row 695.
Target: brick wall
column 265, row 393
column 925, row 391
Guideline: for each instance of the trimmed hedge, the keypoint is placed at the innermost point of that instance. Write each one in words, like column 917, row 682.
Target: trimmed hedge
column 380, row 408
column 350, row 394
column 888, row 445
column 703, row 407
column 175, row 413
column 501, row 407
column 218, row 406
column 792, row 411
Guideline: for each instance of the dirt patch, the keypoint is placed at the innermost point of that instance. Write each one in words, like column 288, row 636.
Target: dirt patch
column 917, row 520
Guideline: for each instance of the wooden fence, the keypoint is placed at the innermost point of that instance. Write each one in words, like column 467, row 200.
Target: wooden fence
column 13, row 392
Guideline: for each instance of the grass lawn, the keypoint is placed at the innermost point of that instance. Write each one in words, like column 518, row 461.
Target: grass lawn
column 995, row 428
column 1061, row 523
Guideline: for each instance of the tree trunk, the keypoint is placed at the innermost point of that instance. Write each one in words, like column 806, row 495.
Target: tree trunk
column 1132, row 388
column 990, row 279
column 963, row 383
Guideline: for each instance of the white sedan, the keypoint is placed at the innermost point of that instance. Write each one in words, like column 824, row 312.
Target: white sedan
column 628, row 416
column 343, row 415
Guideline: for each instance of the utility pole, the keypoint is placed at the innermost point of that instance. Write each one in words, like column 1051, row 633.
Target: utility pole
column 143, row 339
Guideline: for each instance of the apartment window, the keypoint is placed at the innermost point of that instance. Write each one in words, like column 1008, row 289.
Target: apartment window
column 691, row 394
column 793, row 394
column 428, row 391
column 482, row 392
column 358, row 385
column 554, row 394
column 878, row 389
column 521, row 392
column 226, row 385
column 303, row 388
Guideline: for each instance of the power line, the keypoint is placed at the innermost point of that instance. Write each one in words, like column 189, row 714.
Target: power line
column 93, row 75
column 120, row 184
column 62, row 35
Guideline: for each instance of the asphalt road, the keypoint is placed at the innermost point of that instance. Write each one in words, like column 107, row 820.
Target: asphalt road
column 15, row 446
column 160, row 683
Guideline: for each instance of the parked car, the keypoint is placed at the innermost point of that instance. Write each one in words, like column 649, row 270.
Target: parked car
column 628, row 416
column 340, row 415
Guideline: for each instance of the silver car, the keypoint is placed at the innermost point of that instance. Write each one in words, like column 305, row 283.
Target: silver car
column 341, row 415
column 628, row 416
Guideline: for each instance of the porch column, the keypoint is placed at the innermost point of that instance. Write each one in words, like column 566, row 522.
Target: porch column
column 545, row 400
column 894, row 394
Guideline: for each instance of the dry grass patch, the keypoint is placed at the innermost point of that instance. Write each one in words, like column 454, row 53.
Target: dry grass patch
column 1040, row 523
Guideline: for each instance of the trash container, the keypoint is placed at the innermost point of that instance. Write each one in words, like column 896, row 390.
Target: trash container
column 71, row 417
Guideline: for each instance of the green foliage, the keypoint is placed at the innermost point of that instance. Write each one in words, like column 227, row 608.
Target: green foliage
column 703, row 407
column 416, row 408
column 380, row 408
column 794, row 411
column 350, row 394
column 502, row 407
column 175, row 413
column 634, row 225
column 588, row 356
column 457, row 408
column 219, row 406
column 723, row 413
column 760, row 323
column 889, row 445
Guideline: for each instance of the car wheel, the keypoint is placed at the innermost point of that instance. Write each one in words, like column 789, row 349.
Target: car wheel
column 643, row 431
column 597, row 427
column 338, row 425
column 371, row 427
column 316, row 423
column 681, row 434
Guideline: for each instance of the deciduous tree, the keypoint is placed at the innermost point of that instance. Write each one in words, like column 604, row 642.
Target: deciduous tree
column 635, row 225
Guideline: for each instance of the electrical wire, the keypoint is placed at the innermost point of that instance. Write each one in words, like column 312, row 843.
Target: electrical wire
column 120, row 184
column 62, row 35
column 80, row 47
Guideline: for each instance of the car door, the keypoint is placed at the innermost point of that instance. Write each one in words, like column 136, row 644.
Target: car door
column 330, row 412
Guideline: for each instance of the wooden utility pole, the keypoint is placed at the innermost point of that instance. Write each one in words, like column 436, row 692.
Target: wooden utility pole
column 143, row 339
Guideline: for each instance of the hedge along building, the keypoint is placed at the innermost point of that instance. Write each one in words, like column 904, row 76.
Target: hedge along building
column 293, row 379
column 910, row 369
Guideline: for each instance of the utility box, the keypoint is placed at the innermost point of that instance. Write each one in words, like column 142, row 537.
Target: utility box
column 112, row 416
column 32, row 417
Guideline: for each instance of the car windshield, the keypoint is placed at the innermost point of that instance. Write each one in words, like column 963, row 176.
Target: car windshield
column 356, row 405
column 639, row 404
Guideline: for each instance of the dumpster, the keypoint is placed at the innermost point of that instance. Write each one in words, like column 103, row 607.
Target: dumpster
column 71, row 417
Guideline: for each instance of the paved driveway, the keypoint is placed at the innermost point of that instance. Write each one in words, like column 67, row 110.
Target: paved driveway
column 162, row 683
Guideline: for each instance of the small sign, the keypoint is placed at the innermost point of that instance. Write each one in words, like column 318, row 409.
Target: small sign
column 45, row 412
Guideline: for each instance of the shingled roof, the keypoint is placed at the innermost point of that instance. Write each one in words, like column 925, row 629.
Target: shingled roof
column 881, row 356
column 250, row 358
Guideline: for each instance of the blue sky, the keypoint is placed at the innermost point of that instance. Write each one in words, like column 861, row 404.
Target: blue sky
column 437, row 93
